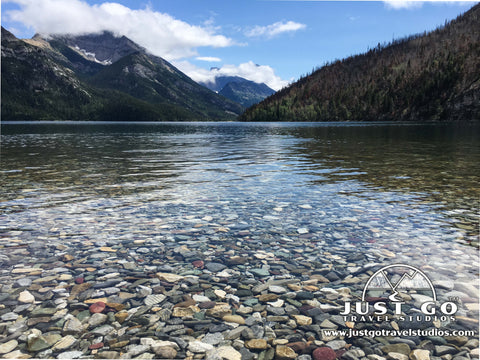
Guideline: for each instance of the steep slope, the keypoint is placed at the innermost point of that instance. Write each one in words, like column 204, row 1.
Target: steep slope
column 35, row 86
column 246, row 93
column 220, row 81
column 240, row 90
column 99, row 77
column 434, row 76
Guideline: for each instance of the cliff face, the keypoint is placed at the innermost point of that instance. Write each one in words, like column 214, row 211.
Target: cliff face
column 434, row 76
column 99, row 77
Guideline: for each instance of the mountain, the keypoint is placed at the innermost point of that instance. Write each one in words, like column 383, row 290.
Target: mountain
column 240, row 90
column 432, row 76
column 99, row 77
column 220, row 81
column 246, row 93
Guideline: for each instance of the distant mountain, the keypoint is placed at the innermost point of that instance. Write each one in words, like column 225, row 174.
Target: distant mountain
column 433, row 76
column 246, row 93
column 99, row 77
column 240, row 90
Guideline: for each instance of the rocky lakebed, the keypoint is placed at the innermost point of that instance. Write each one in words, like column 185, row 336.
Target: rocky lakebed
column 197, row 294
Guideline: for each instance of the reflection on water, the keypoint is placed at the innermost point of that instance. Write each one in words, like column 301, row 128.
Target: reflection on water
column 347, row 183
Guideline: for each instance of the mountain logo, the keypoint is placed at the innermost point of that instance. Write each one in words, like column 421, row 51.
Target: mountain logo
column 393, row 286
column 396, row 280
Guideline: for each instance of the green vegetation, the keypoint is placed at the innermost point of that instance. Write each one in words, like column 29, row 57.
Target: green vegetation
column 434, row 76
column 51, row 81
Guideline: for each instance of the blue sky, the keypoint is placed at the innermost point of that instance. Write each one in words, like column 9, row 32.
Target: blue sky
column 286, row 38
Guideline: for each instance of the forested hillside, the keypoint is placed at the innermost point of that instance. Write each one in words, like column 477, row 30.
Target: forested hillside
column 430, row 76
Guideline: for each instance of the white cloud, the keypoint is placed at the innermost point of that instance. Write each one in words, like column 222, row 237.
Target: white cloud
column 403, row 4
column 208, row 58
column 274, row 29
column 415, row 4
column 249, row 70
column 160, row 33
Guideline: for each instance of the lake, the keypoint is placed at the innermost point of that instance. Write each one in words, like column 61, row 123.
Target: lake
column 346, row 194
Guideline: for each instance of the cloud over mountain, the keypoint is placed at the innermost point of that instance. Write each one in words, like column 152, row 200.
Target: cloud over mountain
column 249, row 70
column 160, row 33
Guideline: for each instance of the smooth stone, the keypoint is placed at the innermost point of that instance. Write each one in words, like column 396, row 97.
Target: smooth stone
column 166, row 352
column 328, row 324
column 227, row 353
column 154, row 299
column 137, row 350
column 267, row 297
column 181, row 312
column 468, row 289
column 256, row 344
column 72, row 326
column 302, row 320
column 219, row 310
column 324, row 353
column 456, row 340
column 396, row 348
column 283, row 352
column 157, row 344
column 213, row 338
column 250, row 302
column 304, row 295
column 97, row 307
column 102, row 330
column 10, row 316
column 171, row 278
column 336, row 344
column 304, row 357
column 396, row 356
column 260, row 272
column 24, row 282
column 375, row 357
column 17, row 354
column 26, row 297
column 96, row 346
column 9, row 346
column 443, row 350
column 38, row 343
column 215, row 267
column 97, row 319
column 419, row 354
column 199, row 347
column 220, row 293
column 64, row 343
column 277, row 289
column 200, row 298
column 70, row 355
column 472, row 343
column 108, row 355
column 354, row 354
column 235, row 333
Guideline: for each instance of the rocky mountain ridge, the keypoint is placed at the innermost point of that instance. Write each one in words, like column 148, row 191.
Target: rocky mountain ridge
column 99, row 77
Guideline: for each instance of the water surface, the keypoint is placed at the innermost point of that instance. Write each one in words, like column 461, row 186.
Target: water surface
column 397, row 192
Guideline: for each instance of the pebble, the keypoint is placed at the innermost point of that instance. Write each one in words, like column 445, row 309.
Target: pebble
column 8, row 346
column 283, row 352
column 324, row 353
column 256, row 344
column 419, row 354
column 199, row 347
column 26, row 297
